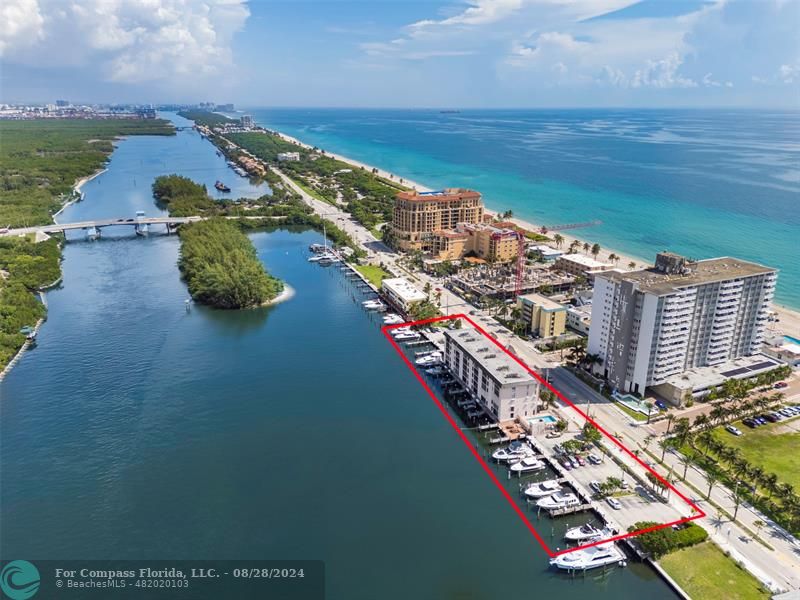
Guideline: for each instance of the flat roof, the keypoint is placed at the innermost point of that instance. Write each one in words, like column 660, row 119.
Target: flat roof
column 743, row 367
column 404, row 289
column 499, row 364
column 543, row 301
column 439, row 195
column 712, row 270
column 586, row 261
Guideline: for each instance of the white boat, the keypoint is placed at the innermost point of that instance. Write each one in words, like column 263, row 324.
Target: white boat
column 586, row 532
column 590, row 558
column 401, row 331
column 405, row 337
column 436, row 371
column 513, row 451
column 92, row 233
column 529, row 463
column 393, row 319
column 545, row 488
column 429, row 360
column 373, row 305
column 559, row 500
column 141, row 228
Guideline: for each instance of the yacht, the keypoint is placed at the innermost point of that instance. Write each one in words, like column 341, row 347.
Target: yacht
column 429, row 360
column 514, row 451
column 328, row 259
column 401, row 330
column 589, row 558
column 529, row 463
column 545, row 488
column 559, row 500
column 586, row 532
column 92, row 233
column 393, row 319
column 373, row 305
column 407, row 336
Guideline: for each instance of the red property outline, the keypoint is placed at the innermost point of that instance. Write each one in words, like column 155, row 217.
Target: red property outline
column 520, row 513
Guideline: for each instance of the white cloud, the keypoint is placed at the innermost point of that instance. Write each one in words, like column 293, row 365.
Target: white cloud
column 134, row 41
column 21, row 24
column 787, row 73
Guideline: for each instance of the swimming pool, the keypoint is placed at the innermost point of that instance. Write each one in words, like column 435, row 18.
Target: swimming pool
column 634, row 403
column 542, row 419
column 792, row 340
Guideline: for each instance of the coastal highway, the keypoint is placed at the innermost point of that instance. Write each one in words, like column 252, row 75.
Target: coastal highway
column 778, row 567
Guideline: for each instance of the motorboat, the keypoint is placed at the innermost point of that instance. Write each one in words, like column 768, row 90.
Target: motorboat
column 545, row 488
column 393, row 319
column 429, row 360
column 513, row 451
column 436, row 371
column 407, row 337
column 590, row 558
column 92, row 233
column 140, row 228
column 328, row 259
column 586, row 532
column 373, row 305
column 401, row 330
column 559, row 500
column 529, row 463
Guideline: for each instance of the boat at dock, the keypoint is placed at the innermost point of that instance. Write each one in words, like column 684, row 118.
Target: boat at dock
column 221, row 186
column 436, row 371
column 410, row 335
column 559, row 500
column 514, row 451
column 393, row 319
column 29, row 333
column 590, row 558
column 527, row 464
column 586, row 532
column 429, row 360
column 545, row 488
column 374, row 305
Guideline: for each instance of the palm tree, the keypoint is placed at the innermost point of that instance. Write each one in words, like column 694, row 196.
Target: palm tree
column 559, row 240
column 577, row 353
column 631, row 265
column 706, row 439
column 711, row 478
column 755, row 475
column 670, row 419
column 717, row 414
column 586, row 247
column 686, row 461
column 595, row 250
column 613, row 258
column 770, row 483
column 682, row 430
column 701, row 423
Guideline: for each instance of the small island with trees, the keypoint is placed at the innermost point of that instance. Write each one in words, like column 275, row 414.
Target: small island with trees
column 217, row 261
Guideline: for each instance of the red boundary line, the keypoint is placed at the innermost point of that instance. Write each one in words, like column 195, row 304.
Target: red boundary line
column 700, row 514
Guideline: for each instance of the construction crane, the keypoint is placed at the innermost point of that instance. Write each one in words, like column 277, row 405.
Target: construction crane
column 520, row 265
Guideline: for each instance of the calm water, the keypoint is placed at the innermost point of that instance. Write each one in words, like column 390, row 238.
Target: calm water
column 138, row 430
column 703, row 183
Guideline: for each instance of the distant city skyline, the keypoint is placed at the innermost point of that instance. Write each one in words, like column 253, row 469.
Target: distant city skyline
column 476, row 54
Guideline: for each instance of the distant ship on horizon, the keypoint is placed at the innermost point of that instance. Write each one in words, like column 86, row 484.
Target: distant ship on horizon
column 449, row 111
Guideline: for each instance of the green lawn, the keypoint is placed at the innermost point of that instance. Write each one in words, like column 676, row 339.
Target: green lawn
column 703, row 571
column 373, row 273
column 629, row 411
column 776, row 453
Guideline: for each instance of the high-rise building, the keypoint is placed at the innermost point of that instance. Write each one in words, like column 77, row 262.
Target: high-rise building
column 542, row 316
column 648, row 326
column 246, row 121
column 418, row 214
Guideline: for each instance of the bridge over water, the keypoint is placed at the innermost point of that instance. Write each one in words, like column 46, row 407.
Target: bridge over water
column 136, row 223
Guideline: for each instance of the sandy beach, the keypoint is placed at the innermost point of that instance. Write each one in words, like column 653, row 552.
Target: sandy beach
column 789, row 319
column 77, row 187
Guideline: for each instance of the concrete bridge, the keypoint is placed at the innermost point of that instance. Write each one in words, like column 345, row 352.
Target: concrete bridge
column 136, row 222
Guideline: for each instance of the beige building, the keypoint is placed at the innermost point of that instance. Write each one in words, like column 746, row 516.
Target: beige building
column 485, row 241
column 580, row 264
column 417, row 215
column 543, row 317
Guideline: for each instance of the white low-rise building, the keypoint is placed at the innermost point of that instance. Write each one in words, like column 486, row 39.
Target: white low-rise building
column 579, row 318
column 288, row 156
column 401, row 293
column 498, row 383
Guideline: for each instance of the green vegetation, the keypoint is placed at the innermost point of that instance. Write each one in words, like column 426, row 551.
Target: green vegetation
column 774, row 452
column 665, row 540
column 221, row 267
column 703, row 571
column 374, row 273
column 205, row 117
column 182, row 196
column 40, row 161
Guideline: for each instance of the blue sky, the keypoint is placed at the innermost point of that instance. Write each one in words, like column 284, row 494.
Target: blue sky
column 481, row 53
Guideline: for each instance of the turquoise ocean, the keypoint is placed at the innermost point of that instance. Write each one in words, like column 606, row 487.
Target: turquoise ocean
column 704, row 183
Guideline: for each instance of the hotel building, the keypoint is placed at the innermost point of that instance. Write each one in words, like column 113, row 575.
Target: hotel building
column 418, row 214
column 580, row 264
column 497, row 382
column 652, row 325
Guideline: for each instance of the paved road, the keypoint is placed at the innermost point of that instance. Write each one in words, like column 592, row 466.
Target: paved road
column 778, row 568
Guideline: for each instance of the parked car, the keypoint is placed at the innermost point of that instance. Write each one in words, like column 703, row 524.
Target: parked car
column 580, row 460
column 770, row 417
column 780, row 385
column 661, row 404
column 574, row 461
column 750, row 423
column 614, row 503
column 733, row 430
column 566, row 464
column 594, row 459
column 595, row 485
